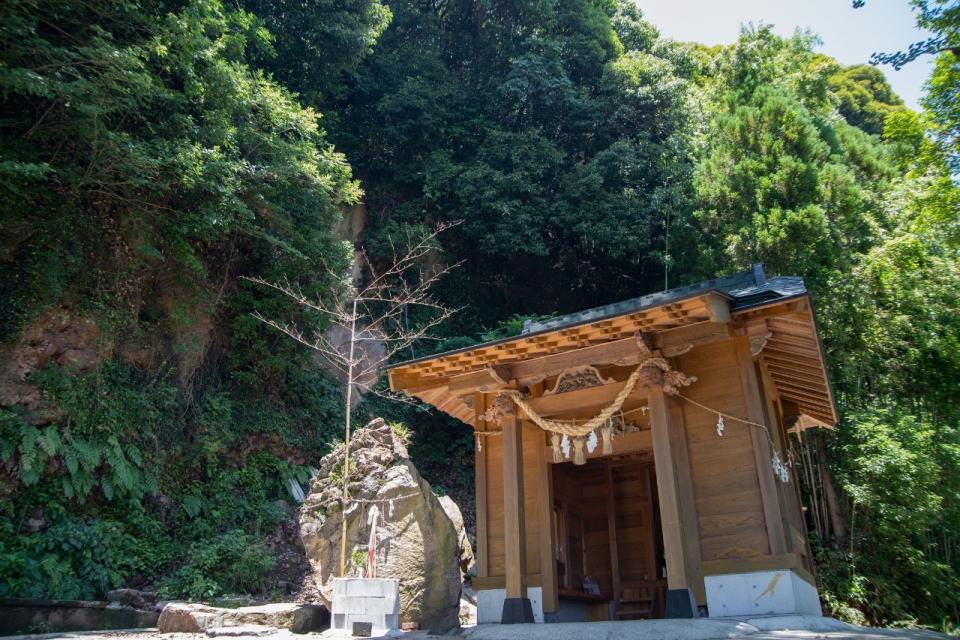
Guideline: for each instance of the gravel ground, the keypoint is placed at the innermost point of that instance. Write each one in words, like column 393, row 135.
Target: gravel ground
column 774, row 628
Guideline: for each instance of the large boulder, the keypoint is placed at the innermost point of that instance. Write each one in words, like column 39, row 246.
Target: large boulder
column 418, row 543
column 188, row 617
column 456, row 517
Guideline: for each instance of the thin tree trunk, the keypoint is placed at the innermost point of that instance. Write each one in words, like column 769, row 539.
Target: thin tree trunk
column 346, row 444
column 812, row 486
column 830, row 493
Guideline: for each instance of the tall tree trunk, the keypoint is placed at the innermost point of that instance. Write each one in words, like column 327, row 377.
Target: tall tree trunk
column 830, row 492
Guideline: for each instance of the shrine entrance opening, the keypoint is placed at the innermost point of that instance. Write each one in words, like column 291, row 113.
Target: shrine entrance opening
column 609, row 543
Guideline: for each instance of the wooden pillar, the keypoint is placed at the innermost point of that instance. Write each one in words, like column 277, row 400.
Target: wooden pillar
column 548, row 537
column 762, row 453
column 516, row 606
column 688, row 502
column 612, row 536
column 513, row 512
column 483, row 552
column 676, row 541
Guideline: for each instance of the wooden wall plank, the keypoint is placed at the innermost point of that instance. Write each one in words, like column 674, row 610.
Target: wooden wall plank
column 494, row 450
column 723, row 469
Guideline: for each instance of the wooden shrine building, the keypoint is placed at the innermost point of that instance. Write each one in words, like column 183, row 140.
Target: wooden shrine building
column 634, row 460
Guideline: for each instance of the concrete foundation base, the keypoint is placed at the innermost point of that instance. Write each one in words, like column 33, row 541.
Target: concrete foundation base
column 761, row 593
column 373, row 600
column 490, row 604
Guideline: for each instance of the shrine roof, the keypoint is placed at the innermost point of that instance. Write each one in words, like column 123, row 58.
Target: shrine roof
column 745, row 290
column 797, row 365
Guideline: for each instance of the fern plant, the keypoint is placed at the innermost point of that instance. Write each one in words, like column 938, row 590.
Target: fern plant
column 94, row 439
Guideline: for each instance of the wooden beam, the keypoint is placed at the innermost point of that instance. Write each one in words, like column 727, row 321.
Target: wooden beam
column 402, row 380
column 775, row 351
column 794, row 374
column 783, row 562
column 513, row 508
column 483, row 380
column 480, row 481
column 804, row 394
column 582, row 400
column 547, row 534
column 695, row 335
column 624, row 352
column 499, row 582
column 671, row 511
column 718, row 307
column 761, row 448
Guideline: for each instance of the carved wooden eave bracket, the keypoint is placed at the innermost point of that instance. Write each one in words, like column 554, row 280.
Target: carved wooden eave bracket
column 502, row 408
column 575, row 378
column 666, row 378
column 758, row 333
column 758, row 342
column 674, row 380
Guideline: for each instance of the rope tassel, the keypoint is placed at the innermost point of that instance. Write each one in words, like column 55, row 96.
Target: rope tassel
column 579, row 456
column 606, row 432
column 555, row 439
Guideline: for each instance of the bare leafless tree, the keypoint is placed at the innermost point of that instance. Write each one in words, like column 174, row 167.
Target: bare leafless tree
column 374, row 308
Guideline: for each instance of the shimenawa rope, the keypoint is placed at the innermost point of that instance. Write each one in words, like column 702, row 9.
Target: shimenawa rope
column 575, row 428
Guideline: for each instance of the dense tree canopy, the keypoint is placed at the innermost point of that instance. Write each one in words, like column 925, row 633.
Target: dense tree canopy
column 155, row 151
column 864, row 97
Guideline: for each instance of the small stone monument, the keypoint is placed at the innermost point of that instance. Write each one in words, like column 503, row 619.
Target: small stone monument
column 366, row 600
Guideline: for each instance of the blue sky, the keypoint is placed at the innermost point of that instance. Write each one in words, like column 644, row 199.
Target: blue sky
column 849, row 35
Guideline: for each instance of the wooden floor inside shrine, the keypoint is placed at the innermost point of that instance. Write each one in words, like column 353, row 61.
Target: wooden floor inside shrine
column 609, row 544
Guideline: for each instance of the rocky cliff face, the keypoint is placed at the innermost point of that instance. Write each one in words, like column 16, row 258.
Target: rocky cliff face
column 417, row 542
column 56, row 338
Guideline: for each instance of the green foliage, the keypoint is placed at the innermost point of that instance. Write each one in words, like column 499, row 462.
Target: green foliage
column 315, row 43
column 942, row 104
column 95, row 443
column 780, row 181
column 402, row 431
column 151, row 123
column 864, row 97
column 895, row 470
column 560, row 152
column 147, row 158
column 81, row 557
column 358, row 559
column 233, row 562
